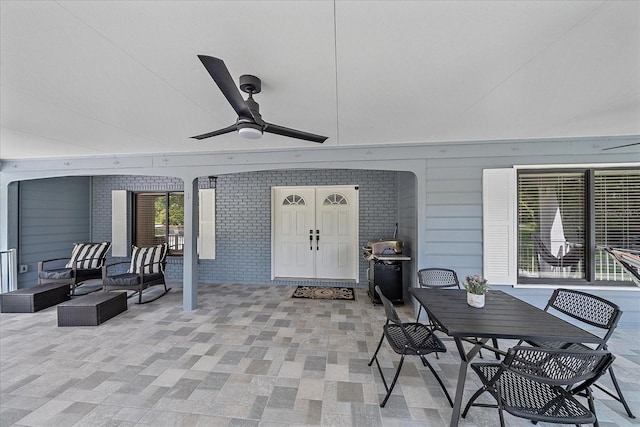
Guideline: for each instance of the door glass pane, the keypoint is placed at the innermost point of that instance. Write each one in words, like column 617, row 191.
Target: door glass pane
column 150, row 226
column 176, row 223
column 551, row 220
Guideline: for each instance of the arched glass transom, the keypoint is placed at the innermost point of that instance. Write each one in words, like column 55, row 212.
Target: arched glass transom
column 294, row 199
column 335, row 199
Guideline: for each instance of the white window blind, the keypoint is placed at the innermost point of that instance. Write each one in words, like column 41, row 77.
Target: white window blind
column 617, row 219
column 617, row 208
column 551, row 211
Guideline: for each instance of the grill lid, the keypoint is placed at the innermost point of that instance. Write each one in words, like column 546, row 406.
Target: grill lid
column 384, row 246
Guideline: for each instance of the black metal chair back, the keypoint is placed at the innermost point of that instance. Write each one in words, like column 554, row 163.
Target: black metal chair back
column 590, row 309
column 406, row 339
column 539, row 384
column 593, row 311
column 438, row 278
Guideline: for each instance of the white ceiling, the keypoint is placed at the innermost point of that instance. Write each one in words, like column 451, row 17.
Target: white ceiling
column 96, row 78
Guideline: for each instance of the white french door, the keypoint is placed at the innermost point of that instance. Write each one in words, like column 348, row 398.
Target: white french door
column 315, row 232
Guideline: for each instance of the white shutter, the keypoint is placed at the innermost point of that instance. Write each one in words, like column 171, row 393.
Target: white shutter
column 207, row 226
column 119, row 246
column 499, row 210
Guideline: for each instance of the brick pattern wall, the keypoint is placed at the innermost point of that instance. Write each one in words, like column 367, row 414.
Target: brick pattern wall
column 243, row 216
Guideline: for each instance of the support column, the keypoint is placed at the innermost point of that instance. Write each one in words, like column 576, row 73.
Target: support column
column 190, row 257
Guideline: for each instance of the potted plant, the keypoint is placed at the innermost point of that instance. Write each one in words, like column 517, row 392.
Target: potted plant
column 476, row 287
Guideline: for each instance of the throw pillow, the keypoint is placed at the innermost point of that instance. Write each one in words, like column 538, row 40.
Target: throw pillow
column 148, row 259
column 88, row 255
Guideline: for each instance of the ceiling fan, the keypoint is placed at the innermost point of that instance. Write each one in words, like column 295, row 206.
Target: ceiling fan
column 249, row 124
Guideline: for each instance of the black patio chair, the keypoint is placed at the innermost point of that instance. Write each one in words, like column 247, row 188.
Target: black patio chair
column 440, row 278
column 540, row 384
column 85, row 263
column 593, row 311
column 146, row 269
column 406, row 339
column 436, row 278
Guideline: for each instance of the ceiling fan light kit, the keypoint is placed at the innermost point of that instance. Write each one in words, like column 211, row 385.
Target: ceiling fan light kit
column 249, row 130
column 249, row 123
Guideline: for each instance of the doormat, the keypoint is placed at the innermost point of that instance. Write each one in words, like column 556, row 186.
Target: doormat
column 324, row 292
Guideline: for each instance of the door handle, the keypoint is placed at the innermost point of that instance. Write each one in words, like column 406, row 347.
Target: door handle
column 310, row 240
column 317, row 240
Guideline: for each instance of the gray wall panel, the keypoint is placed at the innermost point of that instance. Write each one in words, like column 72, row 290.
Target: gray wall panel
column 53, row 214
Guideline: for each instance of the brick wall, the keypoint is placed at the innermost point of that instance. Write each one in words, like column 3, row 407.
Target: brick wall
column 243, row 216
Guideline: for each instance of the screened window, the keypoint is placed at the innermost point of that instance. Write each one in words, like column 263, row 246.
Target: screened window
column 565, row 218
column 159, row 218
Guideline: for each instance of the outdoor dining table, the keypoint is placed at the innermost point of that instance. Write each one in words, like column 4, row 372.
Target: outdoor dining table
column 503, row 317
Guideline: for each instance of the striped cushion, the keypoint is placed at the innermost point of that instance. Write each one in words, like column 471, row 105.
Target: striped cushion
column 88, row 255
column 151, row 257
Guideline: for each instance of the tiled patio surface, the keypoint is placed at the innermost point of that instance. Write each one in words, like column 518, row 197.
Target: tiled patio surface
column 248, row 356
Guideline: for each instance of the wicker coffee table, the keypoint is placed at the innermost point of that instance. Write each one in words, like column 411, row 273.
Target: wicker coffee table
column 92, row 309
column 35, row 298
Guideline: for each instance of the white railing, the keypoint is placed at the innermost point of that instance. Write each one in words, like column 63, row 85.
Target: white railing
column 609, row 269
column 8, row 271
column 606, row 268
column 176, row 242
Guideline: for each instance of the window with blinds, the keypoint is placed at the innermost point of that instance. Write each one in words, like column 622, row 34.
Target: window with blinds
column 551, row 224
column 556, row 224
column 617, row 218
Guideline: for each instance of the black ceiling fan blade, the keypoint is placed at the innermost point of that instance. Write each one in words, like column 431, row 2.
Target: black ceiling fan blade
column 220, row 74
column 621, row 146
column 228, row 129
column 293, row 133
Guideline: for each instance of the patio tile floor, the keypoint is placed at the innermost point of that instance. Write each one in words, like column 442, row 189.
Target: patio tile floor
column 249, row 355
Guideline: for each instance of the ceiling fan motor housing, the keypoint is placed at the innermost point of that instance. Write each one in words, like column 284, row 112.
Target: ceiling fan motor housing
column 250, row 84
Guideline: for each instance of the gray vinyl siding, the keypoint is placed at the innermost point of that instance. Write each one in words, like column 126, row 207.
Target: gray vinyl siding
column 54, row 214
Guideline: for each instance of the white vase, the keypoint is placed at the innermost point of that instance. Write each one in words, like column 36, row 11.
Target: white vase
column 475, row 300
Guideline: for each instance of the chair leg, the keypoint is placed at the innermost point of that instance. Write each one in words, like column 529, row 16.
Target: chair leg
column 393, row 383
column 375, row 353
column 471, row 400
column 495, row 345
column 620, row 398
column 418, row 316
column 426, row 363
column 375, row 359
column 592, row 406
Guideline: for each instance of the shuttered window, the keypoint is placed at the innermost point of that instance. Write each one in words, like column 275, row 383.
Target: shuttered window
column 565, row 218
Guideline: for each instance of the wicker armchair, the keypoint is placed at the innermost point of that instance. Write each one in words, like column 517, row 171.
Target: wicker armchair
column 85, row 263
column 540, row 384
column 406, row 339
column 146, row 269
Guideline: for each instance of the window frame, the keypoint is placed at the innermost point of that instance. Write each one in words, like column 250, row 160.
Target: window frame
column 589, row 226
column 134, row 219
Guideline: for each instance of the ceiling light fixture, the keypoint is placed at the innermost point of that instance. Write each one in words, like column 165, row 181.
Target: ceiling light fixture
column 250, row 130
